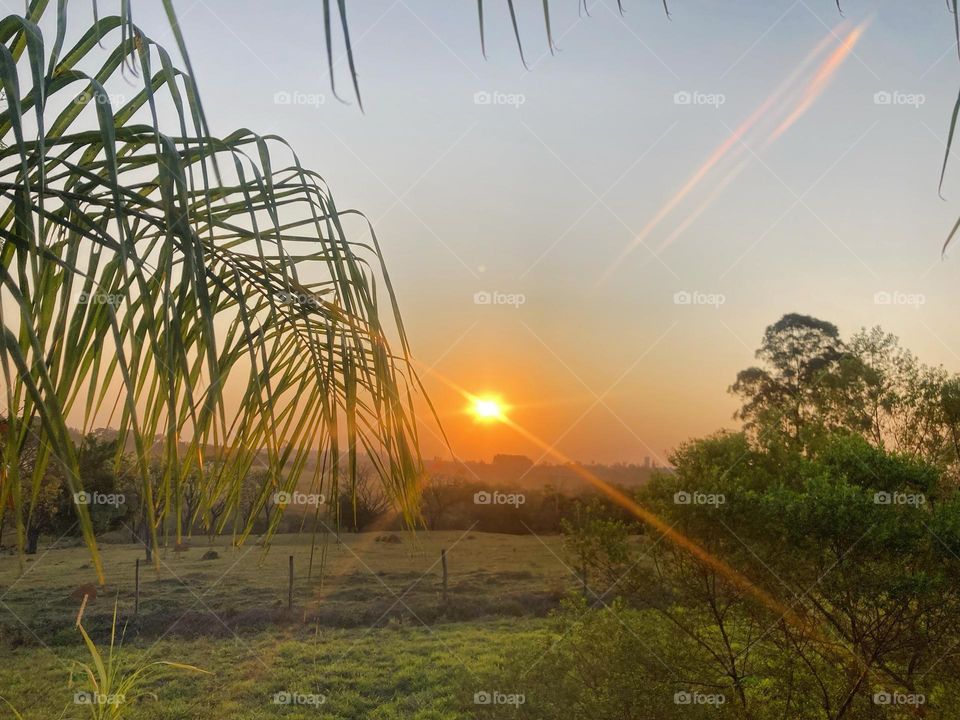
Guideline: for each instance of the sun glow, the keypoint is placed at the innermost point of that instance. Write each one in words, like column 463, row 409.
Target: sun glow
column 487, row 409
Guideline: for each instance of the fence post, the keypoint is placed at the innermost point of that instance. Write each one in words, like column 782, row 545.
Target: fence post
column 290, row 588
column 136, row 590
column 443, row 559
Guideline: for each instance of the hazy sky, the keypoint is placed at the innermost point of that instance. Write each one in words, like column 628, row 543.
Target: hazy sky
column 828, row 198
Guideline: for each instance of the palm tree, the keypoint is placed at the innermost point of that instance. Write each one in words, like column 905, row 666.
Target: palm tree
column 203, row 294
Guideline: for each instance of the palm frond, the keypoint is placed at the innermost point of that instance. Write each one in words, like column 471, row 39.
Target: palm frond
column 205, row 294
column 328, row 27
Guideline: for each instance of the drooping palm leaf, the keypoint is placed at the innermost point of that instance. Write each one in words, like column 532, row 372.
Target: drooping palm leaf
column 952, row 6
column 202, row 293
column 329, row 23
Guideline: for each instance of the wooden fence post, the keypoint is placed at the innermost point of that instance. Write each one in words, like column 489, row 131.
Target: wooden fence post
column 443, row 559
column 290, row 588
column 136, row 590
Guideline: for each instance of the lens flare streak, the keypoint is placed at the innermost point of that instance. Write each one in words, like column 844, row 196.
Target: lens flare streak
column 791, row 93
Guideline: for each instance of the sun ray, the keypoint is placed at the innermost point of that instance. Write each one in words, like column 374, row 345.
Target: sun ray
column 640, row 512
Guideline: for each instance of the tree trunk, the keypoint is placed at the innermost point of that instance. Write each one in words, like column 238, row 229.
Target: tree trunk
column 146, row 537
column 148, row 543
column 33, row 539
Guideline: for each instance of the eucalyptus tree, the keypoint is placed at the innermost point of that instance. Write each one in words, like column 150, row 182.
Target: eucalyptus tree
column 787, row 392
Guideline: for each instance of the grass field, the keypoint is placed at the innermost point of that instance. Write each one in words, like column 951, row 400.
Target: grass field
column 371, row 634
column 391, row 672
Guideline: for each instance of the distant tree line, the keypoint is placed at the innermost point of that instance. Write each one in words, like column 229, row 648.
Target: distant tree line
column 448, row 501
column 522, row 471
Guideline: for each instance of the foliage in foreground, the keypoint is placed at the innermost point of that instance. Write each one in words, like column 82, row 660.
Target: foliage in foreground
column 392, row 673
column 110, row 687
column 862, row 618
column 201, row 292
column 839, row 509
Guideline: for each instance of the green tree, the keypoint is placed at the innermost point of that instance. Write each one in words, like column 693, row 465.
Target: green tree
column 786, row 392
column 900, row 398
column 51, row 510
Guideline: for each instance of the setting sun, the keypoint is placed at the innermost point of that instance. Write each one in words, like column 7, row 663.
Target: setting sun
column 487, row 409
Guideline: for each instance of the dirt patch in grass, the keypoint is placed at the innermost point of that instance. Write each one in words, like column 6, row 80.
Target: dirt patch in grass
column 349, row 608
column 356, row 586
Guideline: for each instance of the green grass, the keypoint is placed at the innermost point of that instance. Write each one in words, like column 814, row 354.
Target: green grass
column 349, row 638
column 363, row 583
column 386, row 673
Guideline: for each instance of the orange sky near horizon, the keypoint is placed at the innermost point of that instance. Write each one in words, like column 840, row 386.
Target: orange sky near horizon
column 644, row 411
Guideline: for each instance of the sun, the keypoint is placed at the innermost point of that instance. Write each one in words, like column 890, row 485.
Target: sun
column 487, row 409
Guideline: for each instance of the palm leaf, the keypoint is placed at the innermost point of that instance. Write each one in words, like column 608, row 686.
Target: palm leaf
column 206, row 295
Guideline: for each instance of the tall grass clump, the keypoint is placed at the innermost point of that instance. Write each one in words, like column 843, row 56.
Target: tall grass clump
column 109, row 687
